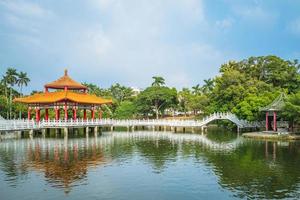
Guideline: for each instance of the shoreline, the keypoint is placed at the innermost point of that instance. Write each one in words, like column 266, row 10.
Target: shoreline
column 271, row 136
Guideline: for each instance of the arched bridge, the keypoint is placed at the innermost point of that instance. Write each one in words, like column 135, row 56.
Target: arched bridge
column 12, row 125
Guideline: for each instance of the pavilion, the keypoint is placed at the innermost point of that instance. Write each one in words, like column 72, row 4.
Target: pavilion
column 272, row 110
column 68, row 95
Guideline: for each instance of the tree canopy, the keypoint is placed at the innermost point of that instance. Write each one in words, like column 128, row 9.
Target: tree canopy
column 241, row 87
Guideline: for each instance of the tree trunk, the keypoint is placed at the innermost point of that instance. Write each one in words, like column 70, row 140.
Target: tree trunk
column 10, row 102
column 156, row 113
column 6, row 95
column 20, row 113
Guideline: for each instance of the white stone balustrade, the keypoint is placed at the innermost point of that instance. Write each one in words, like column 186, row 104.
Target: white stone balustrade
column 11, row 125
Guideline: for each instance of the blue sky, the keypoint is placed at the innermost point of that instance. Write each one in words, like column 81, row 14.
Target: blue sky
column 129, row 41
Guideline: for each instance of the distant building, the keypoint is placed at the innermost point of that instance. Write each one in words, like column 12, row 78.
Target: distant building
column 136, row 91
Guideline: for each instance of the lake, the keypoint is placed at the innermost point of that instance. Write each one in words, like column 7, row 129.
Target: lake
column 149, row 165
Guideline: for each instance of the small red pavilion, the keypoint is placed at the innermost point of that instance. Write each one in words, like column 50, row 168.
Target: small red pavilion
column 272, row 111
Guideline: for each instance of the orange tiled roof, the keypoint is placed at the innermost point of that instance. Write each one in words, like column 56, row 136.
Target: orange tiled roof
column 53, row 97
column 65, row 81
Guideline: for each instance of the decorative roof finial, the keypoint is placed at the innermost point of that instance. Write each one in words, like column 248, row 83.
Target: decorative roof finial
column 66, row 72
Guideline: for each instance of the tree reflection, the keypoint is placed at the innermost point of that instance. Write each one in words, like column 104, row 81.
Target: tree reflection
column 157, row 152
column 250, row 169
column 251, row 172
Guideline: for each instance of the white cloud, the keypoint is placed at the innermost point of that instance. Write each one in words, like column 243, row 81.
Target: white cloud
column 224, row 23
column 294, row 26
column 255, row 13
column 128, row 43
column 27, row 19
column 25, row 9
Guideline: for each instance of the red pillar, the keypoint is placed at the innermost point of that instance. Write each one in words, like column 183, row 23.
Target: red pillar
column 274, row 121
column 267, row 121
column 56, row 114
column 37, row 114
column 66, row 112
column 93, row 113
column 84, row 114
column 46, row 114
column 74, row 113
column 28, row 113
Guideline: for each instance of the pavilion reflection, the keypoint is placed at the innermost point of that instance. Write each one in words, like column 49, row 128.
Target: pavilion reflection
column 252, row 169
column 64, row 164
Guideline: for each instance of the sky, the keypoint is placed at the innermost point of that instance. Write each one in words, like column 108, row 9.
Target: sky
column 129, row 41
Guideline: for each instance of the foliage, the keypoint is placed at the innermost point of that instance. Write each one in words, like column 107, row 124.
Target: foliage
column 156, row 99
column 158, row 81
column 94, row 89
column 126, row 110
column 242, row 87
column 292, row 108
column 121, row 93
column 3, row 106
column 9, row 80
column 249, row 107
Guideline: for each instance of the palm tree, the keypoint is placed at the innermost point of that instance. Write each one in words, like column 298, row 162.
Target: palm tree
column 4, row 82
column 11, row 79
column 158, row 81
column 196, row 89
column 22, row 80
column 208, row 86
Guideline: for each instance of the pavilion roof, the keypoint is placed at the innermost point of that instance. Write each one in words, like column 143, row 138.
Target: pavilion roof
column 276, row 105
column 58, row 96
column 65, row 81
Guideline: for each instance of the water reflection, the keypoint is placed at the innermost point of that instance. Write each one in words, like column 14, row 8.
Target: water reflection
column 244, row 168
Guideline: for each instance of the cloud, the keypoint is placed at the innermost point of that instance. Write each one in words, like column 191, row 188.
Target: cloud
column 26, row 18
column 120, row 41
column 294, row 26
column 254, row 12
column 224, row 24
column 25, row 9
column 133, row 46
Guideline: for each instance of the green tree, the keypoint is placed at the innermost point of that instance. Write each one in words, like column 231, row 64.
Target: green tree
column 126, row 110
column 121, row 93
column 249, row 107
column 22, row 80
column 5, row 88
column 208, row 86
column 291, row 110
column 156, row 99
column 196, row 89
column 184, row 98
column 199, row 103
column 94, row 89
column 11, row 79
column 158, row 81
column 3, row 105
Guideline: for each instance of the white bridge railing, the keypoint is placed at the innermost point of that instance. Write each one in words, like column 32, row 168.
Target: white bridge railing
column 10, row 125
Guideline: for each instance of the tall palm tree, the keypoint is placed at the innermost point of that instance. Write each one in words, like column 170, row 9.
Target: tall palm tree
column 208, row 86
column 196, row 89
column 22, row 80
column 11, row 79
column 158, row 81
column 4, row 82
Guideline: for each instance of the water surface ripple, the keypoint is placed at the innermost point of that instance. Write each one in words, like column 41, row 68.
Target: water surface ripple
column 149, row 165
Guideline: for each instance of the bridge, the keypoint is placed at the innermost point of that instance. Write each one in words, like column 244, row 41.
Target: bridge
column 124, row 137
column 20, row 125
